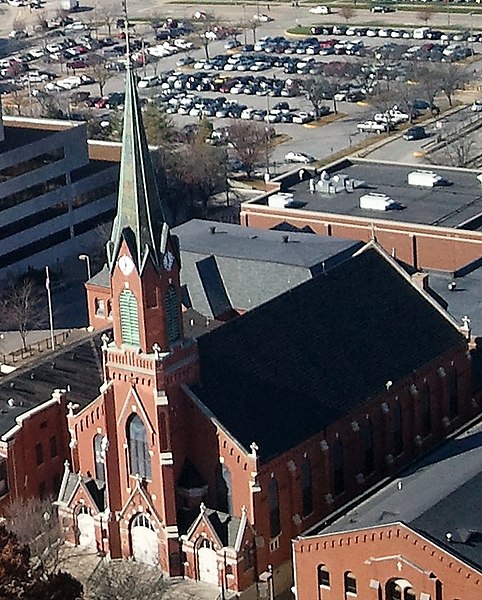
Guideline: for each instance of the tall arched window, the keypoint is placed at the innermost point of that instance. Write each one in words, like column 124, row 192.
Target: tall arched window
column 172, row 314
column 129, row 318
column 368, row 450
column 425, row 410
column 453, row 394
column 139, row 458
column 338, row 470
column 323, row 575
column 274, row 514
column 306, row 488
column 224, row 489
column 397, row 428
column 350, row 583
column 99, row 458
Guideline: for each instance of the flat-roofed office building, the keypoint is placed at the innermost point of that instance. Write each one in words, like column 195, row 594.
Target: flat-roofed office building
column 56, row 188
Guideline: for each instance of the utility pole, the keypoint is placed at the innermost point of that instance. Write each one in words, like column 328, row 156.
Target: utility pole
column 49, row 300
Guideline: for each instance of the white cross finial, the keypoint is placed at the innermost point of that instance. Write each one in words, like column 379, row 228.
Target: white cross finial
column 157, row 351
column 254, row 449
column 105, row 341
column 466, row 322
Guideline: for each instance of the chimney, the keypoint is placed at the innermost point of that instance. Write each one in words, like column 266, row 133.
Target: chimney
column 420, row 280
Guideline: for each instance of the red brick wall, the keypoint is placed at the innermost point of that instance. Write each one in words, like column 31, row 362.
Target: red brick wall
column 26, row 477
column 348, row 430
column 380, row 554
column 423, row 246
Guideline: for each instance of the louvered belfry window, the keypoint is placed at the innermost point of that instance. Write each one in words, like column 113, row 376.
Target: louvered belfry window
column 172, row 315
column 129, row 318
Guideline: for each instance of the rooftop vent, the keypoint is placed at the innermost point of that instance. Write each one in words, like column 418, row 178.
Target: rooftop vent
column 425, row 179
column 212, row 229
column 286, row 239
column 374, row 201
column 281, row 200
column 11, row 402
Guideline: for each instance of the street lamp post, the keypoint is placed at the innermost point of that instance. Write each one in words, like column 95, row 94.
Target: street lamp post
column 86, row 258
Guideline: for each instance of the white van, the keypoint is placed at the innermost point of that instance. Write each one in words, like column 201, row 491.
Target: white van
column 420, row 33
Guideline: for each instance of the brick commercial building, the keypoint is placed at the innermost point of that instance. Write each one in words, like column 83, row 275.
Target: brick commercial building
column 432, row 223
column 207, row 456
column 417, row 538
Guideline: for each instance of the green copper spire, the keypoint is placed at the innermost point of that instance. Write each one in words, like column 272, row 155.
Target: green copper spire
column 140, row 219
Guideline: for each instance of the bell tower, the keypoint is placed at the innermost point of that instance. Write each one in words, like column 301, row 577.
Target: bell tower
column 142, row 256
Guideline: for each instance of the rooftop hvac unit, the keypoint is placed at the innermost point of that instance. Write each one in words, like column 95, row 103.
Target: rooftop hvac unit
column 281, row 200
column 424, row 179
column 377, row 202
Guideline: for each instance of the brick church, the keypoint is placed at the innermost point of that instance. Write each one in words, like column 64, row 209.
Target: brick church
column 207, row 456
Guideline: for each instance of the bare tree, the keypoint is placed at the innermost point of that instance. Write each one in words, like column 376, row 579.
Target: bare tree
column 452, row 77
column 127, row 580
column 457, row 153
column 347, row 12
column 317, row 90
column 42, row 22
column 203, row 31
column 425, row 14
column 203, row 170
column 35, row 524
column 427, row 77
column 250, row 142
column 20, row 578
column 107, row 18
column 22, row 307
column 19, row 25
column 101, row 74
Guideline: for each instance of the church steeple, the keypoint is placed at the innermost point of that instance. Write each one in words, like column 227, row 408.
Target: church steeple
column 141, row 219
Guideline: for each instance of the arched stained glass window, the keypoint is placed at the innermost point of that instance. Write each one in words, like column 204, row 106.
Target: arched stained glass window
column 397, row 428
column 368, row 449
column 306, row 488
column 274, row 514
column 224, row 489
column 139, row 458
column 338, row 468
column 172, row 315
column 99, row 458
column 129, row 318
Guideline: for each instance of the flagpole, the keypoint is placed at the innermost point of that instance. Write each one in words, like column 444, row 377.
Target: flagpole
column 49, row 299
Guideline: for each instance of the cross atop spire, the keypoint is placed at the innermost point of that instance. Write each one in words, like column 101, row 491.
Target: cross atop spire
column 141, row 218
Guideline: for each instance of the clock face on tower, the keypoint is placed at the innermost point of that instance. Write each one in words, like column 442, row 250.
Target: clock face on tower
column 125, row 264
column 168, row 260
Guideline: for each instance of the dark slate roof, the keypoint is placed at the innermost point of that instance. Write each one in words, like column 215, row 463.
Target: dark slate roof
column 76, row 367
column 226, row 526
column 241, row 267
column 190, row 477
column 102, row 278
column 440, row 494
column 287, row 369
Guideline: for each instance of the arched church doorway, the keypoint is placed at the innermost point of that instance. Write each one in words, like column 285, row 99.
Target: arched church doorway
column 86, row 527
column 207, row 563
column 144, row 542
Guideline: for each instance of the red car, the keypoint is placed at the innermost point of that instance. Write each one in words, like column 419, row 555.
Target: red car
column 77, row 64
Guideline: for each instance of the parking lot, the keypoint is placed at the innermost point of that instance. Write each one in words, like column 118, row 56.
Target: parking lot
column 262, row 80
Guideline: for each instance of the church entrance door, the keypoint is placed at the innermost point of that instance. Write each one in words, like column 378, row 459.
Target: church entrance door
column 208, row 564
column 144, row 540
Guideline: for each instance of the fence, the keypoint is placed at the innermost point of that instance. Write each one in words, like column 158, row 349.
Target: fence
column 34, row 349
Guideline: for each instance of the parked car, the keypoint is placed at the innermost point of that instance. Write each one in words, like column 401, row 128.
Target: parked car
column 373, row 126
column 381, row 8
column 477, row 106
column 299, row 157
column 320, row 10
column 415, row 133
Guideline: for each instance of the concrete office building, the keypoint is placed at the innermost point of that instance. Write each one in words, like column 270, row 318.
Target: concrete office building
column 54, row 191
